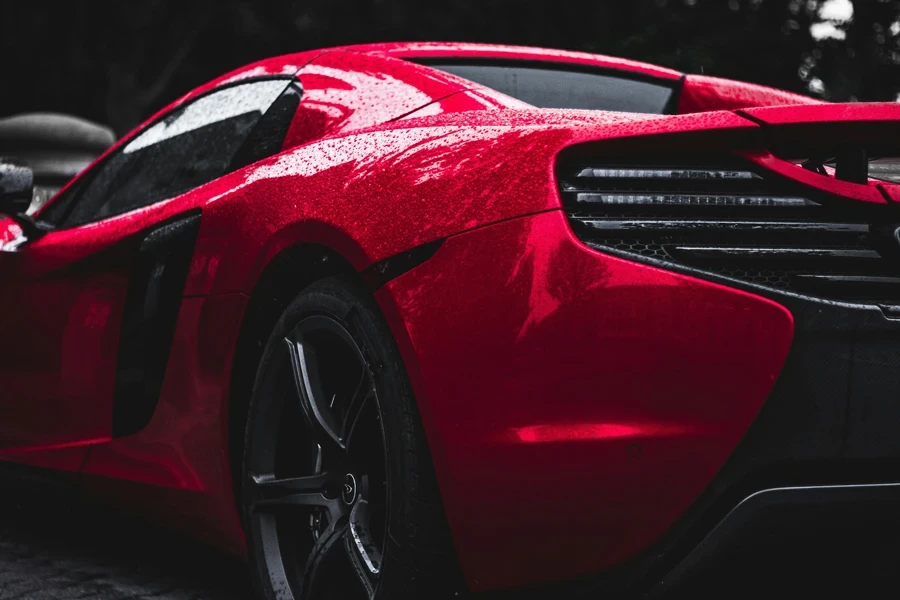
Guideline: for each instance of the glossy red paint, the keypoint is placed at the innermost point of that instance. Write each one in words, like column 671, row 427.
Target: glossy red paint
column 343, row 91
column 702, row 93
column 884, row 113
column 638, row 382
column 331, row 192
column 59, row 359
column 571, row 432
column 598, row 397
column 797, row 131
column 467, row 101
column 891, row 190
column 184, row 448
column 9, row 231
column 67, row 292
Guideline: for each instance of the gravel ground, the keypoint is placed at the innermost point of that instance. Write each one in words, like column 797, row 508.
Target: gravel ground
column 55, row 546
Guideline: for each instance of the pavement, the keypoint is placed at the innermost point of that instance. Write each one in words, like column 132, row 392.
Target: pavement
column 56, row 546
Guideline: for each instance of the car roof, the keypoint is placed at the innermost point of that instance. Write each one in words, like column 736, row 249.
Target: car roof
column 288, row 64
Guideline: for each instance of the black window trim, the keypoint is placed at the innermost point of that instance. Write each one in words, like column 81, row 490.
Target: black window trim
column 675, row 85
column 77, row 187
column 294, row 86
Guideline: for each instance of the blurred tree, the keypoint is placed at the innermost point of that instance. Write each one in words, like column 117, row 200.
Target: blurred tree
column 117, row 62
column 859, row 59
column 754, row 40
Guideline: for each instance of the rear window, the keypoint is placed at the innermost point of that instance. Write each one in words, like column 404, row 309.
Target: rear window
column 550, row 87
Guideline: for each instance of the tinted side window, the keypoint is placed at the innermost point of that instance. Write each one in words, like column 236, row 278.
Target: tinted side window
column 191, row 146
column 548, row 87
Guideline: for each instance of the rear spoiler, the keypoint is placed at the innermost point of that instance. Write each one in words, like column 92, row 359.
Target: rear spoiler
column 835, row 145
column 849, row 151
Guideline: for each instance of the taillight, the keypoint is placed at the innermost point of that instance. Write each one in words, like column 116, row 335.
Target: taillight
column 739, row 223
column 634, row 187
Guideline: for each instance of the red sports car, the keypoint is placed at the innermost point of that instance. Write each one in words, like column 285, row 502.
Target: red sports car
column 420, row 319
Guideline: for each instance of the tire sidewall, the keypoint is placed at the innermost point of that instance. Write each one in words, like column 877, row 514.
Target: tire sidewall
column 339, row 299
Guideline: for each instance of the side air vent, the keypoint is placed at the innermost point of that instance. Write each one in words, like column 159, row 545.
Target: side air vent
column 153, row 300
column 734, row 222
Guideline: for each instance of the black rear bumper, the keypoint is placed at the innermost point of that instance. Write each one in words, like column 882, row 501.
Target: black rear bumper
column 823, row 540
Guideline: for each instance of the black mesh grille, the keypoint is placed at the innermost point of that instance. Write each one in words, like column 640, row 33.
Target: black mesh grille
column 737, row 223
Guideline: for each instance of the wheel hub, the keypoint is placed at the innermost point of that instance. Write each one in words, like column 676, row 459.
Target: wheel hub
column 349, row 489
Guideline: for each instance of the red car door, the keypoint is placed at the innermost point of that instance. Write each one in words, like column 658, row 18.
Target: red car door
column 88, row 311
column 73, row 305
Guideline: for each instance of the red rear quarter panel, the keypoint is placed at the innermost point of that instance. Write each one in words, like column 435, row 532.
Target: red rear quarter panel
column 576, row 403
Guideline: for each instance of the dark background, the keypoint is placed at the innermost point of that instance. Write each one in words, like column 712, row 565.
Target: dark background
column 117, row 62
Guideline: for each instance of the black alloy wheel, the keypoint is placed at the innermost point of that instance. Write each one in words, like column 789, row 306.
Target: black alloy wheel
column 317, row 486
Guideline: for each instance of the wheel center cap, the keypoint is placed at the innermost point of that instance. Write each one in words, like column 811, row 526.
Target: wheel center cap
column 348, row 490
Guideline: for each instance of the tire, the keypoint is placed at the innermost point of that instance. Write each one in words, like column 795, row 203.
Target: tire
column 324, row 543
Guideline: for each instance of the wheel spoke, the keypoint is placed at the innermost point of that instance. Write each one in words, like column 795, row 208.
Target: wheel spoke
column 364, row 391
column 359, row 567
column 364, row 552
column 329, row 568
column 304, row 368
column 328, row 379
column 270, row 492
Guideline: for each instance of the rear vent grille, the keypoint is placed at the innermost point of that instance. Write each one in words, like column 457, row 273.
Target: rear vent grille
column 734, row 223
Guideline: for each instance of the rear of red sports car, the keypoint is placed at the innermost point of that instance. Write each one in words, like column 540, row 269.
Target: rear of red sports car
column 489, row 344
column 684, row 377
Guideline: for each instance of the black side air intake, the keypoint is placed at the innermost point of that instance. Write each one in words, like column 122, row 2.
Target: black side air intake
column 733, row 221
column 153, row 301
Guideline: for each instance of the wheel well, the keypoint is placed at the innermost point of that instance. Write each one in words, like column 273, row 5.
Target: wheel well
column 286, row 275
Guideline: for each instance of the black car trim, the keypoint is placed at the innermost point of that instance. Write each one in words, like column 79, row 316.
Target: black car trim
column 790, row 533
column 378, row 274
column 551, row 65
column 153, row 300
column 676, row 85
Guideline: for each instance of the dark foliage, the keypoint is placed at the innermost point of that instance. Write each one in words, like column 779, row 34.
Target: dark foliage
column 116, row 62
